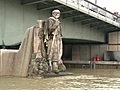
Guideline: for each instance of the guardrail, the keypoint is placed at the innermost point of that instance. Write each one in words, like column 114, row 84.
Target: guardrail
column 95, row 8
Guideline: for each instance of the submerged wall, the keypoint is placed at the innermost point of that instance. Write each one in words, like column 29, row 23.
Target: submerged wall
column 16, row 62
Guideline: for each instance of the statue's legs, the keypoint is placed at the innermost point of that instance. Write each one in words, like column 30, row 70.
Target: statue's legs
column 49, row 44
column 61, row 66
column 55, row 67
column 54, row 52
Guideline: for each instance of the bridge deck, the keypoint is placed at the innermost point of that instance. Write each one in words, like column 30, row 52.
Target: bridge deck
column 87, row 10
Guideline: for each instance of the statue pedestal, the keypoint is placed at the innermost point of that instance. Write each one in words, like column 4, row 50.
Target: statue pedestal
column 30, row 59
column 16, row 62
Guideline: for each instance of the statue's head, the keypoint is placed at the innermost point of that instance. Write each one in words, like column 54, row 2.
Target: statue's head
column 56, row 14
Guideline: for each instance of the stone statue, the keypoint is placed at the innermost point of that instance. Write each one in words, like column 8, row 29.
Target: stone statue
column 47, row 51
column 53, row 39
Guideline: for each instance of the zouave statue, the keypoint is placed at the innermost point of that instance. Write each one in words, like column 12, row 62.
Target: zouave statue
column 47, row 57
column 53, row 39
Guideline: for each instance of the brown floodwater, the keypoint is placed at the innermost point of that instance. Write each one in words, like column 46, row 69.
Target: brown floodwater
column 83, row 79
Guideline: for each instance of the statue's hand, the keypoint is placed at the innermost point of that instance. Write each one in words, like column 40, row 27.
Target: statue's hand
column 46, row 38
column 57, row 23
column 45, row 41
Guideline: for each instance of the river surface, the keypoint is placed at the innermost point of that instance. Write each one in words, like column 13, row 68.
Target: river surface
column 83, row 79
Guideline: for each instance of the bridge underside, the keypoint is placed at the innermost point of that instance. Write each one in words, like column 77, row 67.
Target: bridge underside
column 79, row 41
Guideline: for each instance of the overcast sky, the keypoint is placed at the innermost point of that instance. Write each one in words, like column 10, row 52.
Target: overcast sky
column 111, row 5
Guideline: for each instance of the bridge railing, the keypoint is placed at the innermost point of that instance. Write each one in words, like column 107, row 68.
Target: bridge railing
column 95, row 8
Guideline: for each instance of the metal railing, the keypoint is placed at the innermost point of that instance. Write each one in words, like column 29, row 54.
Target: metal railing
column 95, row 8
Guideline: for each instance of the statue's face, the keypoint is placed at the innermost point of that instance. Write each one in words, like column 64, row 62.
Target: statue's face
column 56, row 15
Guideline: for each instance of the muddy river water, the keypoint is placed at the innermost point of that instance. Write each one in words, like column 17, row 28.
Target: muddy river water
column 83, row 79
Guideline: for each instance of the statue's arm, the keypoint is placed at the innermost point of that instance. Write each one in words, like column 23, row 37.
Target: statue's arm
column 61, row 31
column 52, row 25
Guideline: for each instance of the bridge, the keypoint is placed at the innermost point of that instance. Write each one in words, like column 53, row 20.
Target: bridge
column 83, row 12
column 87, row 13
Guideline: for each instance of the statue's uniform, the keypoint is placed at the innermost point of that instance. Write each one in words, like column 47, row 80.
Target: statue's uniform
column 54, row 37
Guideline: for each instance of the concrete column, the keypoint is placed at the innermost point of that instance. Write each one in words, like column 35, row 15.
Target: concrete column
column 75, row 52
column 95, row 49
column 85, row 52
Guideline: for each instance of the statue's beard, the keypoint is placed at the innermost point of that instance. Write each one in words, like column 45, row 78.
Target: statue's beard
column 56, row 16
